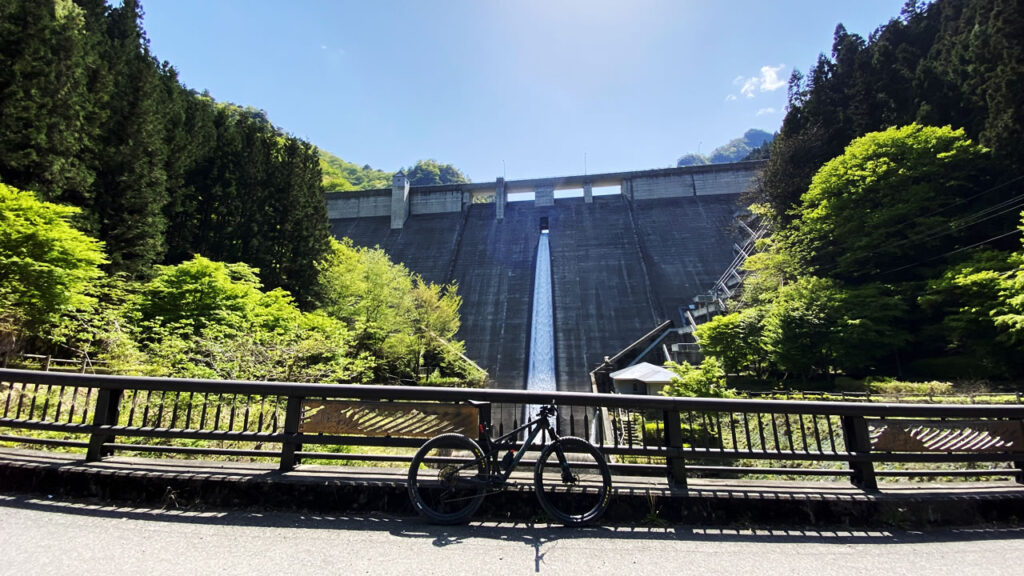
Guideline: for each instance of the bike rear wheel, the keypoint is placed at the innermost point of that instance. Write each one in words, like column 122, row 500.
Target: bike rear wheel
column 446, row 479
column 572, row 481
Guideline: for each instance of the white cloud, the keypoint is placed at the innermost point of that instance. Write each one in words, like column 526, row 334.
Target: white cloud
column 323, row 47
column 767, row 81
column 749, row 87
column 730, row 98
column 770, row 80
column 764, row 111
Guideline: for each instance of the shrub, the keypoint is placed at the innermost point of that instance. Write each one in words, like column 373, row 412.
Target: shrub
column 893, row 386
column 706, row 380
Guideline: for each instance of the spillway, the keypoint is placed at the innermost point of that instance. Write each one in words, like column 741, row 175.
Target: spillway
column 541, row 374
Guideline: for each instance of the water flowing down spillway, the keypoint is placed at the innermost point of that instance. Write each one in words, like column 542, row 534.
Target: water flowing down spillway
column 541, row 373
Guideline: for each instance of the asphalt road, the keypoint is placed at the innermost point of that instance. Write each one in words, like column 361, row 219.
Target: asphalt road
column 43, row 536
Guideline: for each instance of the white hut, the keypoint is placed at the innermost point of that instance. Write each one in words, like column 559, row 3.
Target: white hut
column 642, row 378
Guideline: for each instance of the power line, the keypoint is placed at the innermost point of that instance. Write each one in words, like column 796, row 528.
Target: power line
column 950, row 253
column 1013, row 203
column 963, row 221
column 969, row 198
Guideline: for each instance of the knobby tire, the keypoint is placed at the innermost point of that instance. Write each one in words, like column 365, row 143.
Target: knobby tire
column 580, row 494
column 436, row 479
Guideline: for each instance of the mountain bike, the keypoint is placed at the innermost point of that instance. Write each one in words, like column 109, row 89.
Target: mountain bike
column 451, row 474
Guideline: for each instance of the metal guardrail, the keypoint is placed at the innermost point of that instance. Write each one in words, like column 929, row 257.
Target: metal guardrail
column 677, row 437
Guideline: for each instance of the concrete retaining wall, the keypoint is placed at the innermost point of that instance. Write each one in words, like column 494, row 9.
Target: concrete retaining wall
column 600, row 287
column 716, row 182
column 427, row 244
column 688, row 244
column 494, row 270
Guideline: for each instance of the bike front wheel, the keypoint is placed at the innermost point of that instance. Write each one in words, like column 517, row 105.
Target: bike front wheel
column 572, row 480
column 446, row 479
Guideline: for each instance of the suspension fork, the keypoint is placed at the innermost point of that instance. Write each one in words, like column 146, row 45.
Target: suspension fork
column 563, row 462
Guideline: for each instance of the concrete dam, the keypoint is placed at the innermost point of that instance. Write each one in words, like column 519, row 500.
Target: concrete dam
column 620, row 263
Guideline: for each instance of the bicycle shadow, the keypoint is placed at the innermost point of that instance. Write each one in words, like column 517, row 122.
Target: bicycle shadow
column 537, row 535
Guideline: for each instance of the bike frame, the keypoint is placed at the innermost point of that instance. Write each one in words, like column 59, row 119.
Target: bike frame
column 493, row 447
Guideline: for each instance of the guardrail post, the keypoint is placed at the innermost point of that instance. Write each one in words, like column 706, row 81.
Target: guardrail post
column 292, row 413
column 108, row 404
column 858, row 443
column 674, row 441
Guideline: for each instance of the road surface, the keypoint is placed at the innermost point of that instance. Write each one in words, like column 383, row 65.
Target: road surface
column 40, row 535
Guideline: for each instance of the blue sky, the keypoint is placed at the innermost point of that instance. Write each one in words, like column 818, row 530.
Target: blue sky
column 531, row 87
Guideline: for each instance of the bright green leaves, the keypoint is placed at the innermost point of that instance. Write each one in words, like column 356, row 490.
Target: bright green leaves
column 881, row 204
column 401, row 326
column 433, row 173
column 706, row 380
column 210, row 319
column 737, row 340
column 47, row 267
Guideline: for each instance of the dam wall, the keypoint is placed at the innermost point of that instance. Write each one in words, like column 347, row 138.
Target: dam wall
column 426, row 245
column 621, row 264
column 494, row 270
column 688, row 243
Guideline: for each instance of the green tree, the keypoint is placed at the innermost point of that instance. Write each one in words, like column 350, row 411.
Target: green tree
column 339, row 175
column 981, row 306
column 210, row 319
column 736, row 340
column 433, row 173
column 47, row 267
column 692, row 159
column 706, row 380
column 399, row 323
column 131, row 188
column 884, row 203
column 46, row 108
column 801, row 325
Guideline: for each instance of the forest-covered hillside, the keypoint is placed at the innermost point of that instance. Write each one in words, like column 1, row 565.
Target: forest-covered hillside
column 339, row 175
column 894, row 191
column 166, row 233
column 750, row 146
column 88, row 117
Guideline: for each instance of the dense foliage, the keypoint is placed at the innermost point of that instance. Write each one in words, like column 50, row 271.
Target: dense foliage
column 339, row 175
column 433, row 173
column 859, row 281
column 47, row 267
column 949, row 62
column 706, row 380
column 88, row 117
column 169, row 234
column 893, row 249
column 207, row 319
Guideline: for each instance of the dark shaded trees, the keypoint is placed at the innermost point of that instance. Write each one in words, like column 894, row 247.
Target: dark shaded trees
column 89, row 117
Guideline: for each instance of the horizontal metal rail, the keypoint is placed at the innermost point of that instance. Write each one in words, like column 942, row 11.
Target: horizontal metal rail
column 650, row 435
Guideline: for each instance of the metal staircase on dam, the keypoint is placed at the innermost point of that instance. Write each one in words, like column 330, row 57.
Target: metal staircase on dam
column 706, row 306
column 679, row 344
column 713, row 302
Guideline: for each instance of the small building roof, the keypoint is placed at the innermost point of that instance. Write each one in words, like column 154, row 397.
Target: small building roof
column 645, row 372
